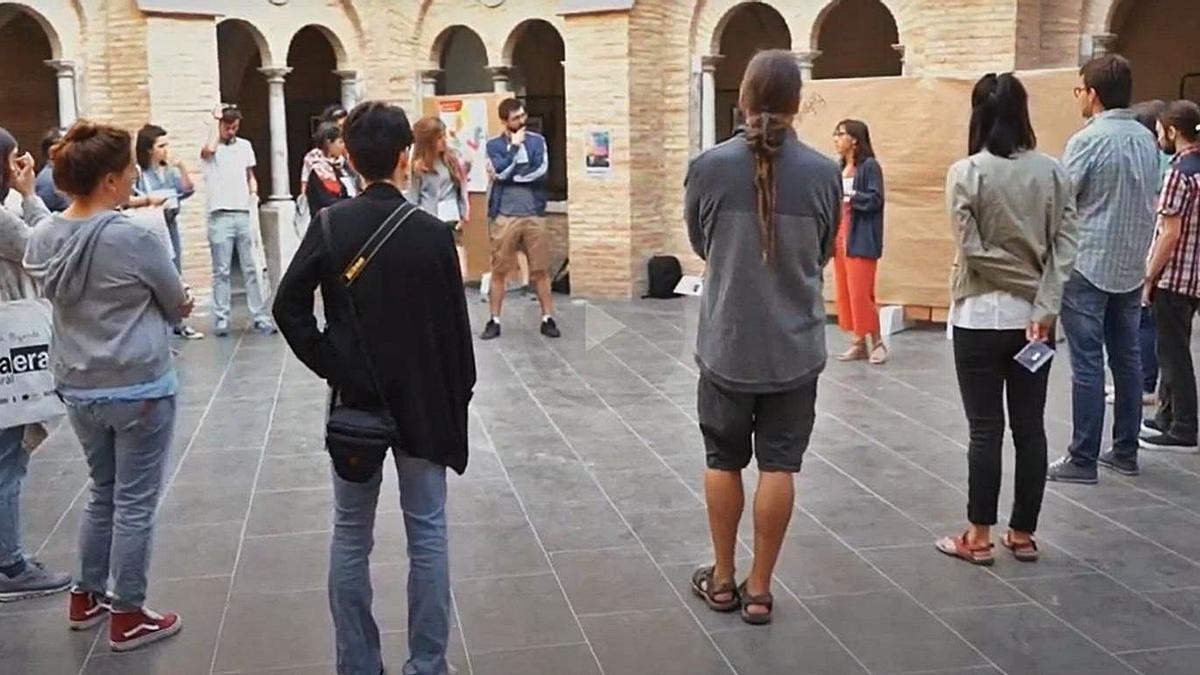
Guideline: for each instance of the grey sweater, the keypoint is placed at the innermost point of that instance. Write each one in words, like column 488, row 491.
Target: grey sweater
column 762, row 326
column 115, row 294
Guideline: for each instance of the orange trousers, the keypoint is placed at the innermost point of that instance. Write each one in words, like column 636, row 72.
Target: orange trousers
column 855, row 282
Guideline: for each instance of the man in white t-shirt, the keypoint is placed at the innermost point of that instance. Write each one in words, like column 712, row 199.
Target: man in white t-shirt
column 228, row 164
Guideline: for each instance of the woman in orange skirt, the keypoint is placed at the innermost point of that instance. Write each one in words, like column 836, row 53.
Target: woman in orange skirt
column 859, row 243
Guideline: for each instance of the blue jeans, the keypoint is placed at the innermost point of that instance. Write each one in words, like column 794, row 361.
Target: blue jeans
column 423, row 500
column 1148, row 339
column 126, row 445
column 1095, row 321
column 176, row 243
column 14, row 462
column 229, row 230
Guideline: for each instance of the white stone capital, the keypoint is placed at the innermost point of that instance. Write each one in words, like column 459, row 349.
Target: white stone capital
column 709, row 63
column 62, row 67
column 275, row 74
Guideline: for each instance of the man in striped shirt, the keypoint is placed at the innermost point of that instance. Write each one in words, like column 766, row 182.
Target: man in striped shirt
column 1113, row 162
column 1173, row 282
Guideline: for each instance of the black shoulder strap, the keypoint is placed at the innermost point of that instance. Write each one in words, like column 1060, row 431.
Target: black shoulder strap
column 361, row 259
column 373, row 243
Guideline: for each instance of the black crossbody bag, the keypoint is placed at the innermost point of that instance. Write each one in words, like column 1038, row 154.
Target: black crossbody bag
column 358, row 438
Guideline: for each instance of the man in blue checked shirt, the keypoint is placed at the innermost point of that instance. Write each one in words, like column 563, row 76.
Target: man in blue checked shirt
column 1113, row 162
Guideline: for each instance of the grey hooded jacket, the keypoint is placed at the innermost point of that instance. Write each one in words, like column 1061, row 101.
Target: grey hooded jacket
column 115, row 294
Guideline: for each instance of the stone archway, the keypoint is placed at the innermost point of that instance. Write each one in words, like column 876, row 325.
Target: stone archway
column 462, row 58
column 856, row 38
column 241, row 52
column 312, row 85
column 536, row 51
column 29, row 107
column 1161, row 39
column 743, row 32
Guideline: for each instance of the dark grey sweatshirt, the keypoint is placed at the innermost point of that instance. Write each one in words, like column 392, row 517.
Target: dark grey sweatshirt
column 115, row 294
column 762, row 326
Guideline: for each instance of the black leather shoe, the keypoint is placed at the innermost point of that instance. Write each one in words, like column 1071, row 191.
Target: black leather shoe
column 491, row 331
column 550, row 329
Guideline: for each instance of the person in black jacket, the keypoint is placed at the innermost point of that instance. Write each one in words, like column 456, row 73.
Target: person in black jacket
column 413, row 314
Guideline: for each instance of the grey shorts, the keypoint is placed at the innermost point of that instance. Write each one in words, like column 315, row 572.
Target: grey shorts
column 778, row 425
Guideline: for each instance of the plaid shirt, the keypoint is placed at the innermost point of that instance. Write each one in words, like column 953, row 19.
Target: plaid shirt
column 1114, row 164
column 1181, row 197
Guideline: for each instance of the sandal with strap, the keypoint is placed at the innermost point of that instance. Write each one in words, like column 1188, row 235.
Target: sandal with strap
column 879, row 355
column 764, row 600
column 959, row 547
column 706, row 587
column 1025, row 551
column 856, row 352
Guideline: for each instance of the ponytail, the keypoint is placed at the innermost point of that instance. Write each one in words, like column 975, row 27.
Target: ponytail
column 766, row 133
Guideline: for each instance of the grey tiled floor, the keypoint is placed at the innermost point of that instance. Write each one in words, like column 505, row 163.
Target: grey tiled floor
column 581, row 517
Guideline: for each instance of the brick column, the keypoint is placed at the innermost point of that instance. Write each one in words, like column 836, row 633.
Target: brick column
column 598, row 98
column 67, row 106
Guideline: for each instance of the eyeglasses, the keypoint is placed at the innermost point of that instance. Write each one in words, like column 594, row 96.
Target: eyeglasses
column 1079, row 90
column 839, row 134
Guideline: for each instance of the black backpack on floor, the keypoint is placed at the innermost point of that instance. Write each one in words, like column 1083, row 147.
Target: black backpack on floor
column 663, row 273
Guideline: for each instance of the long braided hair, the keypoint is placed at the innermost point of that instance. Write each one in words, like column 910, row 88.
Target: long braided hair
column 769, row 99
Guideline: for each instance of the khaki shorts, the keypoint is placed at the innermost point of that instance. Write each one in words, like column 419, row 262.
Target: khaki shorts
column 513, row 234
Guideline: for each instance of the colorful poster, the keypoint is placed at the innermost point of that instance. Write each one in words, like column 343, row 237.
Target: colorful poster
column 599, row 153
column 466, row 129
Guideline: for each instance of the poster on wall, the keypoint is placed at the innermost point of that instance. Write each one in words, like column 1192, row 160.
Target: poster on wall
column 598, row 155
column 466, row 131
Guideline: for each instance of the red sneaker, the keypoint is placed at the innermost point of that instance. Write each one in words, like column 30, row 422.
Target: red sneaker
column 87, row 609
column 130, row 630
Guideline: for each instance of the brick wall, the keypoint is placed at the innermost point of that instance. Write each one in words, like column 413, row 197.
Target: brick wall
column 634, row 74
column 598, row 98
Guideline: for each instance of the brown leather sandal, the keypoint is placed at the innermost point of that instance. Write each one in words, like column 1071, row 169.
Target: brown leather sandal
column 706, row 587
column 764, row 600
column 959, row 547
column 1025, row 551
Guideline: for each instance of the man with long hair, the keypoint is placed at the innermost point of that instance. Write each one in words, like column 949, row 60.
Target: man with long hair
column 762, row 211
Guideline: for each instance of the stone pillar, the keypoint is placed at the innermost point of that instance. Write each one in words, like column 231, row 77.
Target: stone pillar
column 68, row 111
column 277, row 110
column 501, row 79
column 708, row 100
column 351, row 94
column 899, row 49
column 429, row 82
column 806, row 60
column 277, row 215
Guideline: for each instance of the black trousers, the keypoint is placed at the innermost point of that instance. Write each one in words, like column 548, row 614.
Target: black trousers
column 1173, row 314
column 987, row 375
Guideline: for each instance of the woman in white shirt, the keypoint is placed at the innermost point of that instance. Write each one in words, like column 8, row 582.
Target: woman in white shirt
column 1013, row 213
column 439, row 179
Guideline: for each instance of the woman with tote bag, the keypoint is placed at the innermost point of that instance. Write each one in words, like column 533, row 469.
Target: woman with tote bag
column 23, row 367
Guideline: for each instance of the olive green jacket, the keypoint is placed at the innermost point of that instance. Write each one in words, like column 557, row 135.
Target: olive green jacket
column 1014, row 225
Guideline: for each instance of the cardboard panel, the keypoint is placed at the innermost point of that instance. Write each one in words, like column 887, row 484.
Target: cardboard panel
column 919, row 128
column 475, row 233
